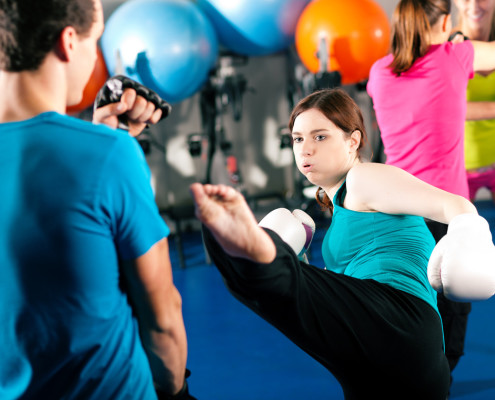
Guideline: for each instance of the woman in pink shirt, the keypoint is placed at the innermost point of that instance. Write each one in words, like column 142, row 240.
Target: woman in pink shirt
column 419, row 96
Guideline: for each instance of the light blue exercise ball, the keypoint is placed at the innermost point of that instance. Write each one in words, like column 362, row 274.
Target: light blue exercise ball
column 167, row 45
column 254, row 27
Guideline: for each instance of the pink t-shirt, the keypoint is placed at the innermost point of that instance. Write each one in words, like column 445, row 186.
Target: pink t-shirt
column 421, row 114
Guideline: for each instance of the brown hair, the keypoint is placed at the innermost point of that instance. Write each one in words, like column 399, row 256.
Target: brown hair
column 342, row 110
column 411, row 26
column 29, row 29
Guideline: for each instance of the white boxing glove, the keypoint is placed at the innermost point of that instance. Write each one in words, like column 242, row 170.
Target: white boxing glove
column 462, row 264
column 296, row 229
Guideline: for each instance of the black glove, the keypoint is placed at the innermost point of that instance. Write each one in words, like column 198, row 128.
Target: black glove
column 182, row 395
column 112, row 91
column 453, row 35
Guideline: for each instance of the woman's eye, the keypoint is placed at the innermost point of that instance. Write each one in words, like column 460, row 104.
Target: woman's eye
column 320, row 137
column 296, row 140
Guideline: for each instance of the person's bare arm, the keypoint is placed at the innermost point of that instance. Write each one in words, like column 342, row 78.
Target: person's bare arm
column 477, row 110
column 391, row 190
column 484, row 55
column 158, row 306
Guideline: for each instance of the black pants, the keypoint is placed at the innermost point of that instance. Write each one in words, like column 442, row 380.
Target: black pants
column 379, row 342
column 454, row 314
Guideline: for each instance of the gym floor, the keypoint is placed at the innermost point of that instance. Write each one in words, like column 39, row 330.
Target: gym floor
column 235, row 355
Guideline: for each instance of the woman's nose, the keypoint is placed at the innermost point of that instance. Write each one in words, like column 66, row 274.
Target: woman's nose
column 473, row 5
column 307, row 149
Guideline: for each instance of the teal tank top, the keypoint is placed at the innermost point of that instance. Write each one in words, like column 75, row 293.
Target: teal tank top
column 391, row 249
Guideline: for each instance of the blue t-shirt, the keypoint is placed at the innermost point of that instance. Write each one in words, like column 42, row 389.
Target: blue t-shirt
column 75, row 198
column 391, row 249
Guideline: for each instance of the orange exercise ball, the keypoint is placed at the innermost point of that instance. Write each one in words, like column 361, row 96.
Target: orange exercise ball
column 355, row 34
column 96, row 81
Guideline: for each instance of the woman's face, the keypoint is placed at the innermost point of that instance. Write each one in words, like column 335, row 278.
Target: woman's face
column 323, row 153
column 476, row 14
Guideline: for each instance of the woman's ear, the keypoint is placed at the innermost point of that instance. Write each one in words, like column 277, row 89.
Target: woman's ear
column 355, row 140
column 66, row 43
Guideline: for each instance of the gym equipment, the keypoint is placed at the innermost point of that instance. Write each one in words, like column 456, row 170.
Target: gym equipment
column 112, row 91
column 309, row 227
column 352, row 35
column 254, row 27
column 96, row 81
column 225, row 87
column 295, row 228
column 462, row 264
column 168, row 46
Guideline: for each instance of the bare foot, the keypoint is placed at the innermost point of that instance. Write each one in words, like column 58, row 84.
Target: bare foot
column 224, row 211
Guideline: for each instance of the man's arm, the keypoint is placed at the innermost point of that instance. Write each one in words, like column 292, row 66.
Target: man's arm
column 158, row 306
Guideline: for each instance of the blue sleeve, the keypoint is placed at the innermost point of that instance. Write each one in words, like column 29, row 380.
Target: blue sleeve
column 128, row 202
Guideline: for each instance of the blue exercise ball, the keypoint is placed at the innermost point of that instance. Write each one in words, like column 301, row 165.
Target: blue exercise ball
column 254, row 27
column 167, row 45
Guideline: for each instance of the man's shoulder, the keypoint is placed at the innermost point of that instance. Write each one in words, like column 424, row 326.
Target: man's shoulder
column 79, row 125
column 79, row 138
column 80, row 132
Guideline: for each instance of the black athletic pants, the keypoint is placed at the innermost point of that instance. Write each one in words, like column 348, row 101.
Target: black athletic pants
column 454, row 314
column 379, row 342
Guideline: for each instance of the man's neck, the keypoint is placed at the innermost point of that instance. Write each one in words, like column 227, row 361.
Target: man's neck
column 30, row 93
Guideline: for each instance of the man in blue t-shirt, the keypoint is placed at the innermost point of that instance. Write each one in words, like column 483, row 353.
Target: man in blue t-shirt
column 87, row 302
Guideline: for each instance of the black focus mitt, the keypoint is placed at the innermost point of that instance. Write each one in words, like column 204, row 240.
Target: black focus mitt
column 112, row 91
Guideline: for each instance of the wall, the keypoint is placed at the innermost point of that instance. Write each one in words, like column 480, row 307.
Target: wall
column 266, row 168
